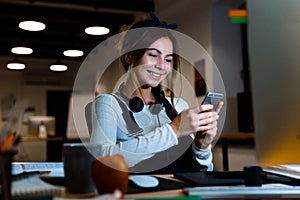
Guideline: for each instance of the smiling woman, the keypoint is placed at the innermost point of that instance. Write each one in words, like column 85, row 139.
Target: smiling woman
column 138, row 120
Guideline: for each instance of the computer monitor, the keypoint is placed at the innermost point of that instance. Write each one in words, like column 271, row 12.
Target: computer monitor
column 275, row 80
column 41, row 126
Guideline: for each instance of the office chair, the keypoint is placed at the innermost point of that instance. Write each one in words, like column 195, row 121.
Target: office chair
column 88, row 116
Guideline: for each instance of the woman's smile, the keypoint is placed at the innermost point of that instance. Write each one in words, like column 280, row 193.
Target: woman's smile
column 155, row 75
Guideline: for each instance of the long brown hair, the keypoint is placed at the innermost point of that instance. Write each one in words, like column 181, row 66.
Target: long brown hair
column 134, row 45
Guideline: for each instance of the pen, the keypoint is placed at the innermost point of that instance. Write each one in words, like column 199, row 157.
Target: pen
column 8, row 142
column 34, row 173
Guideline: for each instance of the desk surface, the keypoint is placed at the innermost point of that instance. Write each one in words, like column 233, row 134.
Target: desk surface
column 168, row 194
column 163, row 193
column 278, row 191
column 174, row 187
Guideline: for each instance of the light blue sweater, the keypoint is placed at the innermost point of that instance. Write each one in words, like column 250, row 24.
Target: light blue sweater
column 111, row 133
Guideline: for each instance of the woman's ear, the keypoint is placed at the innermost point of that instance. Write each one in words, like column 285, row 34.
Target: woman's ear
column 128, row 59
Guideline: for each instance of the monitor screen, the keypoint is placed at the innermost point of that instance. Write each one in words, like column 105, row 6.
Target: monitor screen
column 275, row 79
column 41, row 126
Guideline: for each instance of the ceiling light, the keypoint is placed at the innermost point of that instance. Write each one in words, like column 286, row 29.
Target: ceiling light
column 21, row 50
column 15, row 64
column 97, row 30
column 32, row 26
column 73, row 53
column 58, row 67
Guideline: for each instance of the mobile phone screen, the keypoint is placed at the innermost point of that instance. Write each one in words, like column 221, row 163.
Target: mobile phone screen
column 213, row 98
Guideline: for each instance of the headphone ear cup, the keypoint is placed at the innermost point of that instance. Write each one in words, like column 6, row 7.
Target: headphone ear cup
column 136, row 104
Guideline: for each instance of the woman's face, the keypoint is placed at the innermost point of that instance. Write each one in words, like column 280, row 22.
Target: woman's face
column 156, row 63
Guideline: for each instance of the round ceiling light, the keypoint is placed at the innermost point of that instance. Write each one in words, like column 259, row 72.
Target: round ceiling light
column 73, row 53
column 32, row 26
column 97, row 30
column 15, row 65
column 58, row 67
column 21, row 50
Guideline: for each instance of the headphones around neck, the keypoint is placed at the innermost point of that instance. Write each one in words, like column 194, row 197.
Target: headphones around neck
column 136, row 104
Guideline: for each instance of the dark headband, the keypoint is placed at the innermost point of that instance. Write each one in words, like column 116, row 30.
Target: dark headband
column 155, row 22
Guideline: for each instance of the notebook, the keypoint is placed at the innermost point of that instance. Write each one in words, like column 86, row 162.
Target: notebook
column 33, row 187
column 212, row 178
column 271, row 191
column 53, row 169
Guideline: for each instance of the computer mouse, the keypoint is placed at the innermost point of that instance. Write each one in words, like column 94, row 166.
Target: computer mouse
column 145, row 181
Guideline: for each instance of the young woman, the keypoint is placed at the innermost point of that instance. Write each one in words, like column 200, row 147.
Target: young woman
column 138, row 121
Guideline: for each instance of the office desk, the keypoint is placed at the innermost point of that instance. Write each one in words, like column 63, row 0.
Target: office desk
column 168, row 194
column 170, row 186
column 162, row 193
column 156, row 194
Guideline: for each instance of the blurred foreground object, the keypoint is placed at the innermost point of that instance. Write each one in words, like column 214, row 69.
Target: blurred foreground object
column 110, row 173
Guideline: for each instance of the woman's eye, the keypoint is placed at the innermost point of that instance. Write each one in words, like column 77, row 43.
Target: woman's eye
column 169, row 59
column 152, row 55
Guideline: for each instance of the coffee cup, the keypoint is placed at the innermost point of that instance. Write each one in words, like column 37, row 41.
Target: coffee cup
column 77, row 159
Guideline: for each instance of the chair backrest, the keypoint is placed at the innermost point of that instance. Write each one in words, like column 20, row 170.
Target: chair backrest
column 88, row 116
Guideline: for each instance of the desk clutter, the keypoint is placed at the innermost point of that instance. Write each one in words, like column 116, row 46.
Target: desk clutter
column 46, row 180
column 35, row 179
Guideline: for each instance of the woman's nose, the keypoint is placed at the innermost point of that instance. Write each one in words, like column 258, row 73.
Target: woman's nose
column 159, row 65
column 160, row 62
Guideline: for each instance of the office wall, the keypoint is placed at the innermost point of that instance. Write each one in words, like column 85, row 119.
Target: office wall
column 23, row 85
column 227, row 54
column 33, row 86
column 192, row 17
column 210, row 26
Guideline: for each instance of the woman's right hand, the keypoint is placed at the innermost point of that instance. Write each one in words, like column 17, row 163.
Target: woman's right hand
column 200, row 118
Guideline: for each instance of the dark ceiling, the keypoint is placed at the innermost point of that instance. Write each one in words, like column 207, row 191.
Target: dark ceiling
column 65, row 21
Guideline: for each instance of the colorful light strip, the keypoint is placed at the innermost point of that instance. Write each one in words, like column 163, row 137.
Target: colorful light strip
column 238, row 13
column 238, row 16
column 240, row 20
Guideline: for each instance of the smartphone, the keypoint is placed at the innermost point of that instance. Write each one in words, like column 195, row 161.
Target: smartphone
column 213, row 98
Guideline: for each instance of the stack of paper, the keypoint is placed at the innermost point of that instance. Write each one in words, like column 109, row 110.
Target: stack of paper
column 33, row 187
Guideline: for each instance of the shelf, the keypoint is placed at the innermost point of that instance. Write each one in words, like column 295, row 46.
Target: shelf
column 37, row 139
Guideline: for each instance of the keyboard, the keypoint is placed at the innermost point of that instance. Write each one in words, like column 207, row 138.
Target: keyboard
column 267, row 191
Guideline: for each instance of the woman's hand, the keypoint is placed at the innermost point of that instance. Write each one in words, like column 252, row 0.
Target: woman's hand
column 204, row 138
column 116, row 195
column 198, row 119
